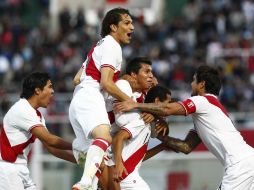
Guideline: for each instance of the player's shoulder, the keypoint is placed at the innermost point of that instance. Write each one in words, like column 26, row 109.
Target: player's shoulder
column 197, row 98
column 22, row 108
column 110, row 42
column 122, row 82
column 124, row 86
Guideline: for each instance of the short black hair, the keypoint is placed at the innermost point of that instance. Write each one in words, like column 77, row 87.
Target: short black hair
column 211, row 78
column 135, row 64
column 157, row 92
column 33, row 81
column 112, row 17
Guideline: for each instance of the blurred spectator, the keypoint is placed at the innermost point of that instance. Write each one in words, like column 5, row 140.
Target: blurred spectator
column 65, row 20
column 217, row 32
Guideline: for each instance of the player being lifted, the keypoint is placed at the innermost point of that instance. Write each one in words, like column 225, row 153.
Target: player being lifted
column 87, row 112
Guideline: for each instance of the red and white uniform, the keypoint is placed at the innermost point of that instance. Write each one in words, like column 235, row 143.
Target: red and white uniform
column 87, row 109
column 134, row 149
column 214, row 127
column 15, row 144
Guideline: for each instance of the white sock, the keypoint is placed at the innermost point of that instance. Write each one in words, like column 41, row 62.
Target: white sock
column 94, row 158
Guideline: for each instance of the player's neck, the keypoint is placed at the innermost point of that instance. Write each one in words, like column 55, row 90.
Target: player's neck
column 114, row 35
column 33, row 102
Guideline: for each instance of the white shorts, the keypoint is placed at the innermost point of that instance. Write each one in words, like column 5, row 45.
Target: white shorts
column 15, row 177
column 87, row 111
column 239, row 176
column 133, row 182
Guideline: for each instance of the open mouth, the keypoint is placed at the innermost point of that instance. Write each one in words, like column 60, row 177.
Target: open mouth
column 129, row 34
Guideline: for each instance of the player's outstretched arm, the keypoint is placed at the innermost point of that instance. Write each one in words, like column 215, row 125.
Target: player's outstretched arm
column 63, row 154
column 162, row 109
column 191, row 141
column 49, row 139
column 153, row 151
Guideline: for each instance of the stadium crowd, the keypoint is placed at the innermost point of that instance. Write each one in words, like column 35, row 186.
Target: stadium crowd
column 215, row 32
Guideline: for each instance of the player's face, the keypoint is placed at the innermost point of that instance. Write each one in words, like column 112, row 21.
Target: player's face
column 145, row 77
column 197, row 88
column 46, row 94
column 124, row 29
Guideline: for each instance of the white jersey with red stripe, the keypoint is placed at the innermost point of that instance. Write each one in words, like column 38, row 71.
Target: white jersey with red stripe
column 134, row 149
column 125, row 87
column 106, row 53
column 216, row 129
column 16, row 138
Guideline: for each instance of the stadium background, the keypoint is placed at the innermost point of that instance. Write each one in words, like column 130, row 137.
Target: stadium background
column 177, row 35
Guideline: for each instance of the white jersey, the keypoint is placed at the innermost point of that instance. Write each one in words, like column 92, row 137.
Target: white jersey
column 107, row 53
column 216, row 130
column 134, row 149
column 16, row 138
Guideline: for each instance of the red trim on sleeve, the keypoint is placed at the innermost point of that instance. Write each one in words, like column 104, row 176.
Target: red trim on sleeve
column 116, row 74
column 127, row 130
column 108, row 65
column 34, row 126
column 189, row 106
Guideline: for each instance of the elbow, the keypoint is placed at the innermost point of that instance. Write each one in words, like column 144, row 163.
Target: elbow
column 114, row 141
column 105, row 86
column 76, row 82
column 52, row 142
column 187, row 149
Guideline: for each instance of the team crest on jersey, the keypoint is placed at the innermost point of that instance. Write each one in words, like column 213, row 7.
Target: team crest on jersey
column 190, row 104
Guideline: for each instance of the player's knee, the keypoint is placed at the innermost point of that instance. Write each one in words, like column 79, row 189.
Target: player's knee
column 108, row 139
column 103, row 132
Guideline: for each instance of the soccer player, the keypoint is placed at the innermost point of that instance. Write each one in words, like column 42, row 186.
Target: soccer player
column 213, row 126
column 22, row 124
column 87, row 112
column 130, row 143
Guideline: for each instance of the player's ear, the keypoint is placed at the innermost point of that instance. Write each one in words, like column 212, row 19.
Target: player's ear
column 202, row 84
column 134, row 75
column 37, row 91
column 157, row 100
column 113, row 27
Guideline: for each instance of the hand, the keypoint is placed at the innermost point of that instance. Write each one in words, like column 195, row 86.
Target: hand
column 161, row 126
column 119, row 171
column 147, row 117
column 124, row 106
